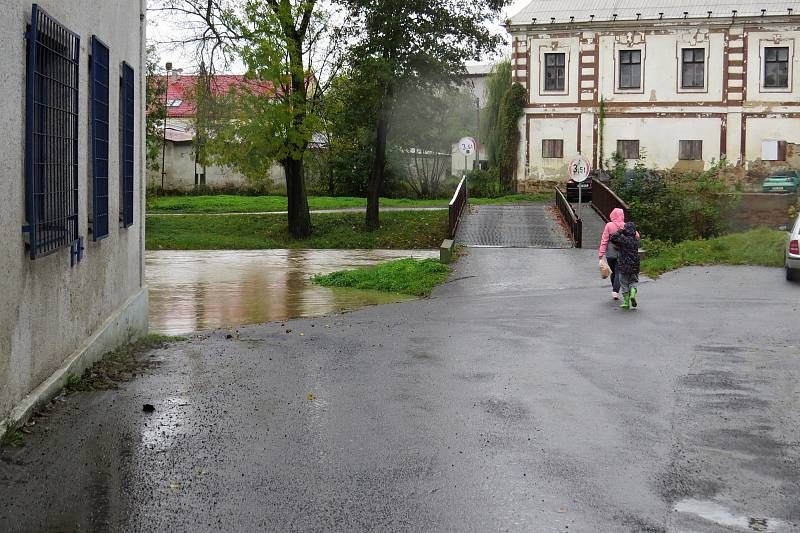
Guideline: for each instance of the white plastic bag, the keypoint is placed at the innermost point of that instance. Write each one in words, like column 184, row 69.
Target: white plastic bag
column 605, row 270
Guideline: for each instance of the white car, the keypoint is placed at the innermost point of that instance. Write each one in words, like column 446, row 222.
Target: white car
column 793, row 253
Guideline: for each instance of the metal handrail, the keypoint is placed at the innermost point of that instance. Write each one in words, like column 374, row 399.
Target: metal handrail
column 571, row 219
column 604, row 200
column 456, row 207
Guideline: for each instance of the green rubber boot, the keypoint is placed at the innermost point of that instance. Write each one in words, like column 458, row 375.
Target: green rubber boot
column 634, row 303
column 626, row 301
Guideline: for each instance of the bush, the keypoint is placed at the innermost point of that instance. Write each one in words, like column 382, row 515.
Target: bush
column 484, row 183
column 675, row 207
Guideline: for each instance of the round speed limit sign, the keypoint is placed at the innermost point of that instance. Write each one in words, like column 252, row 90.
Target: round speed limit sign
column 579, row 169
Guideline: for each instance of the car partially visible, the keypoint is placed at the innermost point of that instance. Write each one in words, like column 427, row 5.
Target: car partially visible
column 793, row 253
column 782, row 181
column 585, row 190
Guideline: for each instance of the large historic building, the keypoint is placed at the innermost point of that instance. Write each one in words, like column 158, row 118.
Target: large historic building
column 72, row 191
column 675, row 85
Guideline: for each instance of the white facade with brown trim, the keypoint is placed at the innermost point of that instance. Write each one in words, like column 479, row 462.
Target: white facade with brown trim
column 687, row 87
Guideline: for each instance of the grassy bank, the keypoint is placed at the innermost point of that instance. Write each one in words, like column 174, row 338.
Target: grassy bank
column 258, row 204
column 405, row 276
column 760, row 247
column 399, row 230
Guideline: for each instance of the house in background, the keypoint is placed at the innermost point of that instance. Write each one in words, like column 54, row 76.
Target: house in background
column 181, row 169
column 72, row 192
column 683, row 83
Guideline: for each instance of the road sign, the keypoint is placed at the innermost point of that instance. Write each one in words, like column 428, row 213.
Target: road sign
column 579, row 169
column 466, row 146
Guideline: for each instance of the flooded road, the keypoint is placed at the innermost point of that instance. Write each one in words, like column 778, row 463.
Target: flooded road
column 203, row 290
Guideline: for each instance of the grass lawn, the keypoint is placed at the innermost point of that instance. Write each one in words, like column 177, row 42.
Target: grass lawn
column 399, row 230
column 405, row 276
column 256, row 204
column 760, row 247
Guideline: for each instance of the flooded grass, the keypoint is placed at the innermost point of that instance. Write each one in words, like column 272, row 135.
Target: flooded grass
column 399, row 230
column 258, row 204
column 403, row 276
column 118, row 366
column 760, row 247
column 203, row 290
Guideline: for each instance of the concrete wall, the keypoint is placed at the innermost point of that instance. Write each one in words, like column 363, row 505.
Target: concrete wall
column 49, row 309
column 732, row 113
column 180, row 169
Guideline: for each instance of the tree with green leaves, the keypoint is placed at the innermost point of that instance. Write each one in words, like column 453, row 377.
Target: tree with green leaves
column 412, row 43
column 511, row 111
column 497, row 85
column 284, row 43
column 155, row 109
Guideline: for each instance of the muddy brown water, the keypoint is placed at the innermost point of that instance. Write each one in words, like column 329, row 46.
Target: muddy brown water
column 204, row 290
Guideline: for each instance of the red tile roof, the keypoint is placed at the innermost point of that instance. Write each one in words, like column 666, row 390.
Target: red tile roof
column 221, row 84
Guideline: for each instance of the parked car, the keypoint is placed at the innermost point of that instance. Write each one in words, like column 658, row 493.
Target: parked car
column 793, row 253
column 586, row 190
column 782, row 181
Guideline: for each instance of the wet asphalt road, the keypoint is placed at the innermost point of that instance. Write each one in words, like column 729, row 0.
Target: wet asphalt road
column 522, row 405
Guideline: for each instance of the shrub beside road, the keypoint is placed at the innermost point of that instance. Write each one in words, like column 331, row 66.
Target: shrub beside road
column 760, row 247
column 405, row 276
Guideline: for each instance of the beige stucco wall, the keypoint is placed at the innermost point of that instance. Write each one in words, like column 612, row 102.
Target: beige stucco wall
column 733, row 111
column 48, row 308
column 658, row 149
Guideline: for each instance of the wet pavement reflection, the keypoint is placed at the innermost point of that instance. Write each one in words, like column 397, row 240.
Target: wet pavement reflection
column 204, row 290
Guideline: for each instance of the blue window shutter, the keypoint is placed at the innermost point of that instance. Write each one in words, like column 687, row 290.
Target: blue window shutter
column 99, row 134
column 128, row 119
column 51, row 136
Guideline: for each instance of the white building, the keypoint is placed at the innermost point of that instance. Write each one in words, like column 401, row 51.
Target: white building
column 71, row 193
column 181, row 170
column 682, row 83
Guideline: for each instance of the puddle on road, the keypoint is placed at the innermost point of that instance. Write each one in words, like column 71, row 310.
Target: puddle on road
column 203, row 290
column 714, row 512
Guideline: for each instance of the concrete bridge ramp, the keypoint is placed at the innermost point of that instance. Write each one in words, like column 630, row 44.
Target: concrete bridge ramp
column 528, row 225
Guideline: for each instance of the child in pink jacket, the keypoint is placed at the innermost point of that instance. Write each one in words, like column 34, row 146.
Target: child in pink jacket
column 609, row 251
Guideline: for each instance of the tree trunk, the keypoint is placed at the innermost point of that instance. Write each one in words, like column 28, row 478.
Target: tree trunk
column 378, row 170
column 299, row 217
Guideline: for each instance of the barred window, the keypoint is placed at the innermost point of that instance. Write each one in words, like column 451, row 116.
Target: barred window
column 693, row 68
column 628, row 149
column 554, row 72
column 98, row 185
column 553, row 148
column 630, row 69
column 690, row 150
column 51, row 136
column 126, row 117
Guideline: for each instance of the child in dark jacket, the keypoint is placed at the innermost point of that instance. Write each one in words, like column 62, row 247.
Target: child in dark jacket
column 627, row 242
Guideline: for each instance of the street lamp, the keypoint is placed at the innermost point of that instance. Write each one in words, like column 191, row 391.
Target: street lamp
column 177, row 73
column 478, row 135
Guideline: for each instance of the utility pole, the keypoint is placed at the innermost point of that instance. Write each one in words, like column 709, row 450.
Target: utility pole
column 166, row 112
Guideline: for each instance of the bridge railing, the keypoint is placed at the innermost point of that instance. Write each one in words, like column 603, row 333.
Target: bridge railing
column 604, row 200
column 456, row 207
column 571, row 219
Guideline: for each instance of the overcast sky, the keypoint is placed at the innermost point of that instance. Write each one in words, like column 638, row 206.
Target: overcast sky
column 160, row 30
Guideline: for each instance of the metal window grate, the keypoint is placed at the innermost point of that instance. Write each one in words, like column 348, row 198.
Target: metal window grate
column 51, row 136
column 100, row 132
column 127, row 125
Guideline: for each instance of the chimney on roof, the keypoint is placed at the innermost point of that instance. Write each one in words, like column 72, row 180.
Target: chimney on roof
column 734, row 13
column 572, row 18
column 709, row 14
column 638, row 16
column 591, row 18
column 763, row 12
column 685, row 14
column 660, row 16
column 552, row 20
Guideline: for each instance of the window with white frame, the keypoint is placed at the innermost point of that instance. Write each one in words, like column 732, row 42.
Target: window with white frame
column 776, row 67
column 693, row 68
column 555, row 72
column 630, row 69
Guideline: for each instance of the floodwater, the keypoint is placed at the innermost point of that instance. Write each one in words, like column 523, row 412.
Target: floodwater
column 204, row 290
